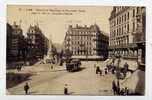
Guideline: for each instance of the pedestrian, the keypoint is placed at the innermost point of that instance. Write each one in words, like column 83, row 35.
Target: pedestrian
column 106, row 71
column 113, row 71
column 118, row 87
column 20, row 67
column 97, row 69
column 114, row 87
column 126, row 91
column 122, row 92
column 100, row 72
column 124, row 73
column 66, row 89
column 26, row 88
column 126, row 66
column 51, row 66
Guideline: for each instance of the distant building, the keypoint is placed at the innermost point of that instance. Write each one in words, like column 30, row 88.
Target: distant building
column 86, row 42
column 37, row 43
column 15, row 42
column 127, row 32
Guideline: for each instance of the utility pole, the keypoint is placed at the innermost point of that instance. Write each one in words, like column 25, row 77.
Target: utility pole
column 86, row 50
column 118, row 72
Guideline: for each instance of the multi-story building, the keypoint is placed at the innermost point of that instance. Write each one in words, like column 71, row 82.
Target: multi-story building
column 15, row 42
column 86, row 42
column 37, row 43
column 127, row 32
column 9, row 42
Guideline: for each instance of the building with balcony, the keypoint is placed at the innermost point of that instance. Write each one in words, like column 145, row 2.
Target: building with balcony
column 37, row 43
column 127, row 32
column 86, row 42
column 15, row 43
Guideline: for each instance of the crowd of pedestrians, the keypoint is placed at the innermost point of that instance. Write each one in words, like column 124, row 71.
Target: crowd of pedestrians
column 19, row 67
column 100, row 71
column 114, row 70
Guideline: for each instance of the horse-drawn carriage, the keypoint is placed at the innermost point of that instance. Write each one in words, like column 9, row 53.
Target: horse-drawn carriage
column 73, row 65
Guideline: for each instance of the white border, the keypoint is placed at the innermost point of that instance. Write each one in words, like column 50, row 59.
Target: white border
column 146, row 3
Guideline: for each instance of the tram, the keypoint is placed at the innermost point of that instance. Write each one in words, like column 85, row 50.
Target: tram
column 73, row 65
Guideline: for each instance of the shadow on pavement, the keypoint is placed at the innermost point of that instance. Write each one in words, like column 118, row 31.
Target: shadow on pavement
column 70, row 93
column 58, row 70
column 82, row 68
column 13, row 79
column 32, row 92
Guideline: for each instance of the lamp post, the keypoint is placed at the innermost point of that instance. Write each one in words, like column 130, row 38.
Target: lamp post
column 86, row 51
column 118, row 72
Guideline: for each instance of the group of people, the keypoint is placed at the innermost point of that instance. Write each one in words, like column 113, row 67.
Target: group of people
column 115, row 84
column 19, row 67
column 99, row 71
column 124, row 69
column 117, row 90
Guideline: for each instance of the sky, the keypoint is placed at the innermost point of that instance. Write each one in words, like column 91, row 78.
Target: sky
column 54, row 20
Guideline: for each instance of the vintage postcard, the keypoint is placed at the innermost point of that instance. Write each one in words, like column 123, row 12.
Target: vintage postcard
column 75, row 50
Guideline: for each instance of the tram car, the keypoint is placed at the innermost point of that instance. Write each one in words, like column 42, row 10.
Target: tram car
column 73, row 65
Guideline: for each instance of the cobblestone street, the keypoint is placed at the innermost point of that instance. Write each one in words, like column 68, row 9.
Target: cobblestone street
column 47, row 81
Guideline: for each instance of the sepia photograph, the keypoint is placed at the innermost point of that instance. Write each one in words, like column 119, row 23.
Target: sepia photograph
column 75, row 50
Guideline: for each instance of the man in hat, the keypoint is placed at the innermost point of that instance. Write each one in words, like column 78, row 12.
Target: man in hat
column 26, row 88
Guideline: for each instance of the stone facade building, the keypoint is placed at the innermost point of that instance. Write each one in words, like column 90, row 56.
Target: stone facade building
column 86, row 42
column 127, row 32
column 24, row 49
column 37, row 43
column 15, row 41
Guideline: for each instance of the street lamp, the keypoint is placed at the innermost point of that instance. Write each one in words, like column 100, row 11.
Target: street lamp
column 118, row 71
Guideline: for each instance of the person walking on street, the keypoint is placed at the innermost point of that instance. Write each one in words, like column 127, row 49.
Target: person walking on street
column 100, row 72
column 106, row 71
column 126, row 91
column 114, row 87
column 118, row 87
column 20, row 67
column 125, row 69
column 122, row 91
column 126, row 66
column 26, row 88
column 51, row 66
column 113, row 71
column 66, row 89
column 97, row 69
